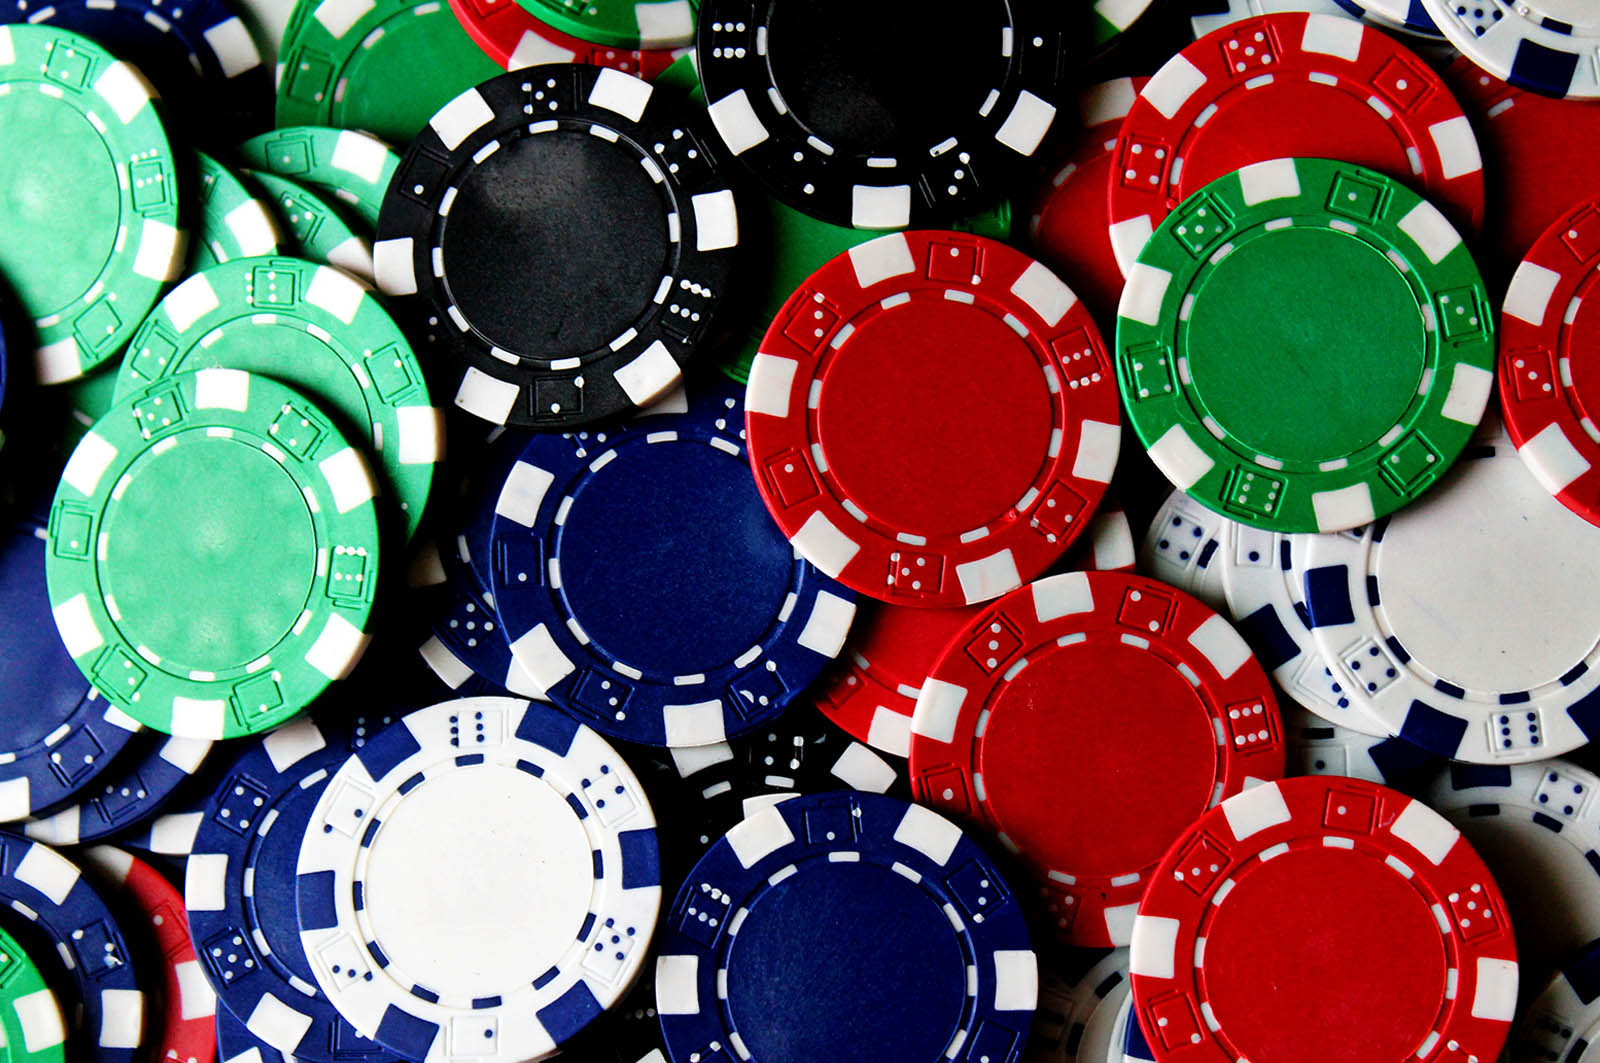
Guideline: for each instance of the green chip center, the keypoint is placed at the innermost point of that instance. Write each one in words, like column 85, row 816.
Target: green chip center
column 59, row 195
column 1305, row 345
column 199, row 526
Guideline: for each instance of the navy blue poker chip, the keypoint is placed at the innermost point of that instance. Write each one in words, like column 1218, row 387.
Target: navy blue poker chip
column 644, row 587
column 239, row 890
column 45, row 888
column 57, row 733
column 909, row 944
column 140, row 782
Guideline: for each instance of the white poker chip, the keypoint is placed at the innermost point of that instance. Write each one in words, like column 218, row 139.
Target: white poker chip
column 1544, row 46
column 1180, row 547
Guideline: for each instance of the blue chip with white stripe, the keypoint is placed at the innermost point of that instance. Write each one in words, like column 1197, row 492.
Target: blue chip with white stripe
column 644, row 587
column 848, row 927
column 239, row 888
column 479, row 882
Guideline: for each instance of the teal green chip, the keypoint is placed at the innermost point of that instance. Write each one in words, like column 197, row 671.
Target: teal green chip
column 316, row 329
column 89, row 197
column 621, row 23
column 386, row 72
column 31, row 1016
column 213, row 553
column 354, row 166
column 233, row 222
column 312, row 227
column 1305, row 345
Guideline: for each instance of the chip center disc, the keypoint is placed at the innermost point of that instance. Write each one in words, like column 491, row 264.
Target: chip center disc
column 1470, row 586
column 1152, row 772
column 62, row 203
column 1325, row 330
column 659, row 531
column 1318, row 939
column 211, row 554
column 473, row 904
column 919, row 399
column 859, row 76
column 555, row 244
column 894, row 991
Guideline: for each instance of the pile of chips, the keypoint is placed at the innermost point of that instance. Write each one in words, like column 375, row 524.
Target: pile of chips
column 704, row 531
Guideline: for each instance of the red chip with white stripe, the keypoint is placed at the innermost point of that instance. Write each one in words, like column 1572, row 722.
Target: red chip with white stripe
column 1086, row 720
column 1323, row 920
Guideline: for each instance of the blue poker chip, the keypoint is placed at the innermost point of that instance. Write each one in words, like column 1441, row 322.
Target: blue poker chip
column 235, row 1044
column 646, row 590
column 846, row 926
column 463, row 640
column 40, row 885
column 139, row 783
column 239, row 888
column 57, row 733
column 198, row 54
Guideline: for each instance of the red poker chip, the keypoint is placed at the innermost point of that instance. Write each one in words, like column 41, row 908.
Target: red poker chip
column 1323, row 919
column 872, row 693
column 932, row 418
column 1290, row 85
column 513, row 37
column 1087, row 720
column 188, row 1032
column 1070, row 227
column 1549, row 364
column 1540, row 155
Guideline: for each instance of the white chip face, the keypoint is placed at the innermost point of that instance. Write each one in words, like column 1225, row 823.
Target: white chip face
column 480, row 880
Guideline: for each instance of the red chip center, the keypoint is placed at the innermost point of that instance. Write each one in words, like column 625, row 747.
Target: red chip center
column 1324, row 956
column 934, row 417
column 1097, row 756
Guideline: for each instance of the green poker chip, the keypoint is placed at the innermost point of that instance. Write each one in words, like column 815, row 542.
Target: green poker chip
column 621, row 23
column 88, row 197
column 387, row 71
column 30, row 1015
column 233, row 222
column 313, row 228
column 316, row 329
column 1305, row 345
column 355, row 167
column 213, row 554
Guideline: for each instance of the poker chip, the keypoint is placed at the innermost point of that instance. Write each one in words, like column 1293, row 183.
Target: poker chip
column 1061, row 1031
column 1012, row 697
column 885, row 139
column 746, row 624
column 106, row 190
column 1540, row 157
column 188, row 1029
column 41, row 886
column 162, row 502
column 240, row 881
column 1069, row 226
column 1546, row 47
column 515, row 38
column 1550, row 344
column 30, row 1015
column 656, row 261
column 204, row 65
column 233, row 223
column 1413, row 936
column 1212, row 109
column 355, row 167
column 560, row 847
column 382, row 67
column 1317, row 747
column 312, row 227
column 901, row 462
column 315, row 329
column 57, row 733
column 464, row 635
column 1405, row 16
column 947, row 967
column 1436, row 624
column 1210, row 15
column 1284, row 453
column 1533, row 825
column 138, row 784
column 1105, row 1030
column 1180, row 548
column 621, row 23
column 1564, row 1022
column 235, row 1044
